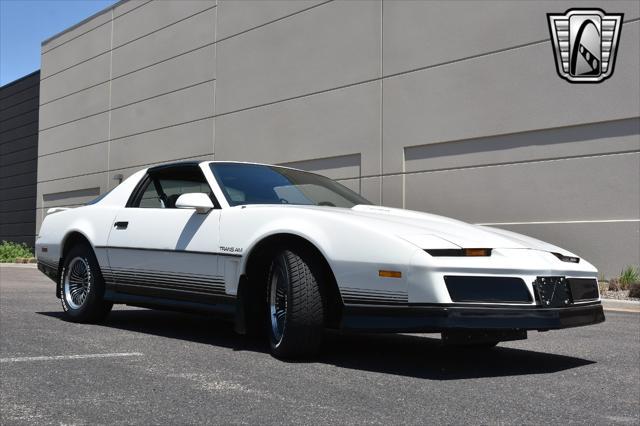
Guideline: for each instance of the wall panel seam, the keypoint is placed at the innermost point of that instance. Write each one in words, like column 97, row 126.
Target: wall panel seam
column 479, row 55
column 167, row 59
column 22, row 198
column 92, row 29
column 20, row 103
column 514, row 163
column 208, row 44
column 19, row 127
column 18, row 92
column 16, row 186
column 17, row 174
column 128, row 73
column 22, row 114
column 128, row 136
column 19, row 162
column 219, row 115
column 127, row 167
column 18, row 150
column 128, row 104
column 292, row 98
column 163, row 28
column 30, row 135
column 127, row 43
column 110, row 99
column 276, row 20
column 381, row 165
column 282, row 18
column 19, row 210
column 215, row 72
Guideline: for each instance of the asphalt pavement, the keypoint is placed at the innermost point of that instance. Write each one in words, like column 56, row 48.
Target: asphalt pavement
column 153, row 367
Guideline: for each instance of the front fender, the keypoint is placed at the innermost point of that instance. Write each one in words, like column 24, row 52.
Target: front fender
column 355, row 252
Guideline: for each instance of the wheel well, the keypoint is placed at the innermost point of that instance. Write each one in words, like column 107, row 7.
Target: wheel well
column 71, row 240
column 258, row 263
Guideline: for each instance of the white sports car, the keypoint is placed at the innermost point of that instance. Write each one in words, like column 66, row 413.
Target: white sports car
column 292, row 253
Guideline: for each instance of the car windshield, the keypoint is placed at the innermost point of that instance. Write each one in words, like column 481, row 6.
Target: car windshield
column 260, row 184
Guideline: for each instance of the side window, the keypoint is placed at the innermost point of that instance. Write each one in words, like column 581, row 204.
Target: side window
column 150, row 199
column 162, row 188
column 174, row 188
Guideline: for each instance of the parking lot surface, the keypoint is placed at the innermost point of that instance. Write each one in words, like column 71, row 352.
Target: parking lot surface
column 150, row 367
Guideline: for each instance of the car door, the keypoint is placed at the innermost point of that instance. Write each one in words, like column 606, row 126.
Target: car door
column 158, row 250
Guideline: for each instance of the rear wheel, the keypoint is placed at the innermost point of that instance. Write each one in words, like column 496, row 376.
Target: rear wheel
column 295, row 305
column 83, row 287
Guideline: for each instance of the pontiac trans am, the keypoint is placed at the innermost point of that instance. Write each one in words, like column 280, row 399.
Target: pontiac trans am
column 287, row 254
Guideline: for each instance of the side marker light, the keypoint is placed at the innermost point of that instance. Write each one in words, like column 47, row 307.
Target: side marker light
column 390, row 274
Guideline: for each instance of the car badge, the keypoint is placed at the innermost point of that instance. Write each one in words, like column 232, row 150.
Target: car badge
column 585, row 43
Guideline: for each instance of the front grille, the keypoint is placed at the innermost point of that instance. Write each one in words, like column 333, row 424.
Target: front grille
column 487, row 289
column 583, row 289
column 555, row 292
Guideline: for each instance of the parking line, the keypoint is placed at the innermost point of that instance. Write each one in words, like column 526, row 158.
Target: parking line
column 65, row 357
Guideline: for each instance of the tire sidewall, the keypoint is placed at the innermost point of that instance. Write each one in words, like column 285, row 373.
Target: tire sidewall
column 96, row 284
column 288, row 346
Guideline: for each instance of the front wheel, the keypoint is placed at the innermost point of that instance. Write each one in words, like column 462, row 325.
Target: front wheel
column 294, row 305
column 83, row 287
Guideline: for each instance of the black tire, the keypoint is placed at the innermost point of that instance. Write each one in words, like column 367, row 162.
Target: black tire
column 301, row 333
column 91, row 307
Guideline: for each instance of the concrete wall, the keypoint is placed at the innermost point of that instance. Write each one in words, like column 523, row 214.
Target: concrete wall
column 448, row 107
column 19, row 158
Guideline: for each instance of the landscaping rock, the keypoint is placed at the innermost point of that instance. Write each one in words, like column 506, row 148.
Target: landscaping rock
column 614, row 285
column 634, row 290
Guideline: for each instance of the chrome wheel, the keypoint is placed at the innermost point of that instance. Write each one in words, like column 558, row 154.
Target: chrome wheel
column 77, row 282
column 278, row 288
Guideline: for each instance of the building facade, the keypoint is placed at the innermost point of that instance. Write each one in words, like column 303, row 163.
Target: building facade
column 19, row 103
column 449, row 107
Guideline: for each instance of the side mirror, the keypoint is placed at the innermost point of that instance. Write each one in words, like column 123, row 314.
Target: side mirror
column 195, row 200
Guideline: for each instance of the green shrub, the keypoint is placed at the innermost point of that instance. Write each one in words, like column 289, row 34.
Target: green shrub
column 10, row 251
column 628, row 276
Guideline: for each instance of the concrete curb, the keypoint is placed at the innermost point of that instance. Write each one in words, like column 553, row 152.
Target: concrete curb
column 19, row 265
column 621, row 305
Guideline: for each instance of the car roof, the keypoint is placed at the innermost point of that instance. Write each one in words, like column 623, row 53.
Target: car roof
column 193, row 163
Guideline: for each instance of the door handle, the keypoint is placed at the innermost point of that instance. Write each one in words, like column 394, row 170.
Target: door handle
column 121, row 225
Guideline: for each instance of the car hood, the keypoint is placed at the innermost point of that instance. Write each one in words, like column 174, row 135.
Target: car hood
column 427, row 230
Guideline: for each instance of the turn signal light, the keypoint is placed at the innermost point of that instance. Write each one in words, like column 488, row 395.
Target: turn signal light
column 459, row 252
column 390, row 274
column 477, row 252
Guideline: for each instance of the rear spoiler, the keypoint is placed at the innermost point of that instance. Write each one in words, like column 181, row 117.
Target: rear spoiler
column 58, row 209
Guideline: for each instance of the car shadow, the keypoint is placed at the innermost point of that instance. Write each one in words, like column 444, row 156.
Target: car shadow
column 418, row 356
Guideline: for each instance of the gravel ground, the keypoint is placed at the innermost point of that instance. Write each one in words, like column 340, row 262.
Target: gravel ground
column 618, row 295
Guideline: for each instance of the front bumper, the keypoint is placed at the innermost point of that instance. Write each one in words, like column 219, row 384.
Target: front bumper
column 438, row 318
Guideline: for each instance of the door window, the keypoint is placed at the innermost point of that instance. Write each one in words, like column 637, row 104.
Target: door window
column 161, row 189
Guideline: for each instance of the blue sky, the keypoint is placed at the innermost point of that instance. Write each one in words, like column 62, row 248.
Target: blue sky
column 24, row 24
